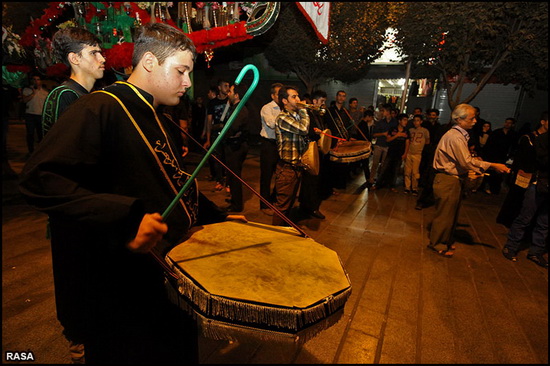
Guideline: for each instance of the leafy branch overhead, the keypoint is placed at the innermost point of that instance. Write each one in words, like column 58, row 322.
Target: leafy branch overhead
column 357, row 34
column 476, row 43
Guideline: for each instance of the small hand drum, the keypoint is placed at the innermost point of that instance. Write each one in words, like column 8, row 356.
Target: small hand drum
column 239, row 279
column 325, row 141
column 310, row 159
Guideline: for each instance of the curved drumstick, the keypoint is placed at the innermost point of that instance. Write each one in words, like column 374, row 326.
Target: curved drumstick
column 334, row 137
column 340, row 127
column 354, row 125
column 220, row 137
column 267, row 203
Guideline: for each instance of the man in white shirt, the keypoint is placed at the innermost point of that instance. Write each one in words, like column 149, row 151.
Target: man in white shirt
column 269, row 155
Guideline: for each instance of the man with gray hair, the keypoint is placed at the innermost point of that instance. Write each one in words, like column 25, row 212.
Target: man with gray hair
column 452, row 161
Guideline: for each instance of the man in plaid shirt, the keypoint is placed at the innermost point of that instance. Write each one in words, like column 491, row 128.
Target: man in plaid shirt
column 291, row 129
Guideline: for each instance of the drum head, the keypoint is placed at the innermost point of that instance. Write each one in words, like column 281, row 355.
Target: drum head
column 259, row 276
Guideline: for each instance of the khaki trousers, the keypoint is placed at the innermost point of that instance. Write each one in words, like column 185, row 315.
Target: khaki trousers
column 448, row 196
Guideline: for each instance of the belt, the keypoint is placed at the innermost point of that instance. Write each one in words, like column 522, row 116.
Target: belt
column 459, row 177
column 273, row 141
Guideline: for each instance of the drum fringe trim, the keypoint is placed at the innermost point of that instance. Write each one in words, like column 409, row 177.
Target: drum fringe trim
column 220, row 330
column 293, row 319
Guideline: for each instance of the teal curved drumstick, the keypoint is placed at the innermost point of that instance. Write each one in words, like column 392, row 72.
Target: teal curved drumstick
column 220, row 137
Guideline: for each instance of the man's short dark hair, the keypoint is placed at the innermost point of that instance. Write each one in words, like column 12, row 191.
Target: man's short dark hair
column 283, row 94
column 368, row 112
column 275, row 86
column 428, row 111
column 400, row 116
column 318, row 94
column 386, row 106
column 72, row 39
column 162, row 40
column 223, row 81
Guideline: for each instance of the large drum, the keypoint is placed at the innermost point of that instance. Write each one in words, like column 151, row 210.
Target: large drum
column 350, row 151
column 241, row 279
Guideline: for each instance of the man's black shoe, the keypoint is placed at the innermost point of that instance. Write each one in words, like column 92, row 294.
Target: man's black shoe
column 232, row 208
column 509, row 254
column 317, row 214
column 538, row 259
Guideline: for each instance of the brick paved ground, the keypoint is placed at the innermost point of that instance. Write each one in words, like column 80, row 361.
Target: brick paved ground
column 407, row 305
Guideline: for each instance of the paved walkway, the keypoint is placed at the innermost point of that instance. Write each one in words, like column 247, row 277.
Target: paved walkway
column 407, row 304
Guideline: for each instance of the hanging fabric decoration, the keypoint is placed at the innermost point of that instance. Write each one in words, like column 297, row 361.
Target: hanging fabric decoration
column 317, row 13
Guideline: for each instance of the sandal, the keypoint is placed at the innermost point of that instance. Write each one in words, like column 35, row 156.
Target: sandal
column 218, row 186
column 447, row 253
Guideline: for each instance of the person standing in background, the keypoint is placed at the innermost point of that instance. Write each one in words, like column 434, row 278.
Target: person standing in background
column 310, row 191
column 216, row 111
column 420, row 137
column 269, row 155
column 380, row 135
column 534, row 211
column 523, row 173
column 235, row 145
column 500, row 147
column 34, row 98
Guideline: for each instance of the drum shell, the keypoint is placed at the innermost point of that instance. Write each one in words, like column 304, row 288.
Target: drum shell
column 350, row 151
column 310, row 159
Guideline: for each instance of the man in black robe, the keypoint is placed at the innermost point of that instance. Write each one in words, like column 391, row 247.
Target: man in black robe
column 106, row 171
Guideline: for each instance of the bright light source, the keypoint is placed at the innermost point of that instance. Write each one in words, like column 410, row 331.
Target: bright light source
column 391, row 55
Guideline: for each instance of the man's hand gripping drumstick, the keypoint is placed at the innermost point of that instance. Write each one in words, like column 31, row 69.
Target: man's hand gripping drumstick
column 150, row 232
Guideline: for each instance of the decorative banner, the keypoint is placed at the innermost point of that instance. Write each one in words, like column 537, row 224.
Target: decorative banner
column 317, row 13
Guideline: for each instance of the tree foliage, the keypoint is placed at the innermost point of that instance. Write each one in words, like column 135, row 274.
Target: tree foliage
column 476, row 42
column 357, row 34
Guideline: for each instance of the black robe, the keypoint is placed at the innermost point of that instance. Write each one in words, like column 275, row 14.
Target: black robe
column 106, row 162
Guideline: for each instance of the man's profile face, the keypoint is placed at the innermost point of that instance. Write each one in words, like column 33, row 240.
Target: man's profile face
column 91, row 61
column 171, row 80
column 469, row 121
column 223, row 88
column 292, row 100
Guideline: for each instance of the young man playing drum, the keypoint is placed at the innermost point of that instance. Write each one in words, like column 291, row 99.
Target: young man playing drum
column 291, row 128
column 103, row 174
